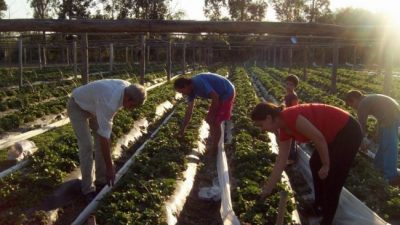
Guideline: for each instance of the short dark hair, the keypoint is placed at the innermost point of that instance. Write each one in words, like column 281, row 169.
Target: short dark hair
column 293, row 78
column 352, row 95
column 262, row 110
column 182, row 82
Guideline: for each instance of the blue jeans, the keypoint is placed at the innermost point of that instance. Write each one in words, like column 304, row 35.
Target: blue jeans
column 386, row 157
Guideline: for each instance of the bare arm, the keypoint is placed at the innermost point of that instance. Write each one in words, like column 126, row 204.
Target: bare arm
column 306, row 128
column 105, row 149
column 188, row 116
column 280, row 164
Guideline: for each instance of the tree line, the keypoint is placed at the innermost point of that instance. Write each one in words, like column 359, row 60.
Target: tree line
column 311, row 11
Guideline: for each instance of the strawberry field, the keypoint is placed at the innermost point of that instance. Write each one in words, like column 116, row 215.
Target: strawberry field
column 142, row 192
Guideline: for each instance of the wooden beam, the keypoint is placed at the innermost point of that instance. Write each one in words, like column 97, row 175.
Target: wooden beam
column 126, row 55
column 142, row 59
column 25, row 56
column 169, row 60
column 40, row 56
column 85, row 58
column 186, row 26
column 68, row 60
column 274, row 56
column 111, row 57
column 44, row 56
column 305, row 62
column 75, row 58
column 335, row 61
column 21, row 69
column 147, row 54
column 184, row 58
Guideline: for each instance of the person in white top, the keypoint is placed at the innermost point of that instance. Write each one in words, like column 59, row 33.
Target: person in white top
column 92, row 107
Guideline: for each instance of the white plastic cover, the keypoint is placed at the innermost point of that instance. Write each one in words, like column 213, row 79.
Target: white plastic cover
column 227, row 214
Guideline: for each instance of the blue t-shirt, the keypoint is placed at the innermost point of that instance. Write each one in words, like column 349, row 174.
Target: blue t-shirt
column 205, row 83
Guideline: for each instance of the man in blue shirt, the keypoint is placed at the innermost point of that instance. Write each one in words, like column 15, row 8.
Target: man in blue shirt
column 211, row 86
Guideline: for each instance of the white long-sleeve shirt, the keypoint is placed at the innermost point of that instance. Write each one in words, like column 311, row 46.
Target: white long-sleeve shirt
column 102, row 98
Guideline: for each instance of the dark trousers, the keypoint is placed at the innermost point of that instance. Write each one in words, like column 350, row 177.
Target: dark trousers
column 293, row 151
column 342, row 152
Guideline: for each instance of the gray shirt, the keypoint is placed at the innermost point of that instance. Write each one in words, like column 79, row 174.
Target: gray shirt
column 384, row 108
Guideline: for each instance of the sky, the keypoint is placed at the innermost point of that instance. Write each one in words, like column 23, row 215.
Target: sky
column 194, row 8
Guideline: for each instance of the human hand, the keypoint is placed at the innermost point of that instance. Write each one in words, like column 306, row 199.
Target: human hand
column 323, row 172
column 110, row 173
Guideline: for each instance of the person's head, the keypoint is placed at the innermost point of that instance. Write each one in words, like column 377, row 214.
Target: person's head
column 183, row 85
column 353, row 98
column 134, row 96
column 266, row 116
column 291, row 82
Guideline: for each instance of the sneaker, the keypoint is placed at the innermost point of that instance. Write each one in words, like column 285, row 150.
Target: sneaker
column 90, row 196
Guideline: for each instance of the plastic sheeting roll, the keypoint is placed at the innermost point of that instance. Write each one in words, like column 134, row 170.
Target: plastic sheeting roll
column 227, row 214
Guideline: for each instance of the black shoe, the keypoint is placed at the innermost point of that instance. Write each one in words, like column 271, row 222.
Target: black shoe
column 90, row 196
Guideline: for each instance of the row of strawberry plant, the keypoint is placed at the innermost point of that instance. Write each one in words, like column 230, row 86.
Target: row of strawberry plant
column 57, row 156
column 349, row 79
column 364, row 180
column 252, row 160
column 140, row 195
column 10, row 76
column 29, row 112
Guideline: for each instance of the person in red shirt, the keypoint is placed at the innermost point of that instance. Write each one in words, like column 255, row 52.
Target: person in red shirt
column 336, row 136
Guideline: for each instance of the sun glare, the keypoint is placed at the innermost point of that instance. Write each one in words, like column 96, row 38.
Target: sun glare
column 387, row 8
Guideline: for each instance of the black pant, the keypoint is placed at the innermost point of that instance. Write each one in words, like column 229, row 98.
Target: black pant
column 342, row 151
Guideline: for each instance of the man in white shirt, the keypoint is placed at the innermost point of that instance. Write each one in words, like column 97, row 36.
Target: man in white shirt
column 92, row 107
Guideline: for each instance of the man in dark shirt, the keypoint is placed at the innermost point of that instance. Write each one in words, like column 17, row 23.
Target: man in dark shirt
column 387, row 112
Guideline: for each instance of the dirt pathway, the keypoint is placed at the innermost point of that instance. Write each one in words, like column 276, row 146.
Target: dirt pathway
column 197, row 211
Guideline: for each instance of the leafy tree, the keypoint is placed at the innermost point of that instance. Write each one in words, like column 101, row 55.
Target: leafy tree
column 289, row 10
column 357, row 16
column 139, row 9
column 312, row 11
column 75, row 8
column 3, row 7
column 43, row 9
column 317, row 10
column 212, row 9
column 239, row 10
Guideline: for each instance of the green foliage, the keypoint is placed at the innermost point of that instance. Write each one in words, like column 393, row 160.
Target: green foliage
column 140, row 195
column 239, row 10
column 252, row 160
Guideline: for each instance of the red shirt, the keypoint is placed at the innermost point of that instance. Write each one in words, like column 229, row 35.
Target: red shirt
column 329, row 120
